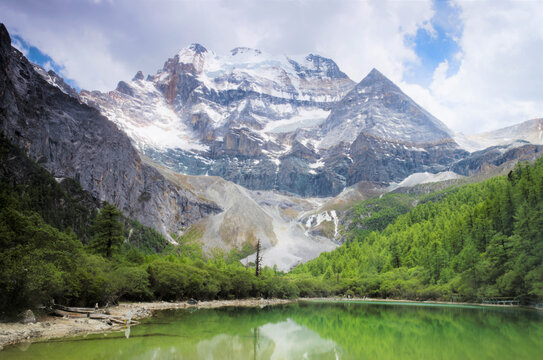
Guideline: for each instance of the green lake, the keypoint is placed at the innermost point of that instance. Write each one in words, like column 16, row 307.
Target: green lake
column 312, row 330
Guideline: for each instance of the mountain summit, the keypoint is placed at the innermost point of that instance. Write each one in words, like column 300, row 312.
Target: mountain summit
column 376, row 106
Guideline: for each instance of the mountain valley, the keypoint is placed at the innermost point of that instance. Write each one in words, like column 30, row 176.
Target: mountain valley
column 244, row 148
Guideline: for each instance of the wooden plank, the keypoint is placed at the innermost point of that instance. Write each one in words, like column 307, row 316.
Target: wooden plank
column 68, row 314
column 98, row 316
column 118, row 320
column 74, row 309
column 122, row 321
column 71, row 313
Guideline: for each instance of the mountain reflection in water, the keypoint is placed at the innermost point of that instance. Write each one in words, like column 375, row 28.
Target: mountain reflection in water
column 283, row 340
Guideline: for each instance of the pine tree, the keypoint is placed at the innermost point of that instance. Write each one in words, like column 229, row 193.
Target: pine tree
column 108, row 231
column 258, row 259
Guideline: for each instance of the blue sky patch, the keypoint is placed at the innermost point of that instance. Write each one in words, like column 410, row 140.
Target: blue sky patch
column 34, row 55
column 436, row 43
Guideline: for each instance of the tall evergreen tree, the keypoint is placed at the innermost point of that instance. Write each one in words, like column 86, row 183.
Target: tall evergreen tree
column 108, row 231
column 258, row 259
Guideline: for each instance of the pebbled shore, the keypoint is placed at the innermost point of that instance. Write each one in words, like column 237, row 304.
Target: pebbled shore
column 51, row 327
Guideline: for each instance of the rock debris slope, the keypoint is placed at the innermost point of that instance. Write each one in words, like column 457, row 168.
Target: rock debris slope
column 277, row 220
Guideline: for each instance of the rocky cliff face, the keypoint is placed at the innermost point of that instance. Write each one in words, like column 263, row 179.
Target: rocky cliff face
column 378, row 107
column 382, row 161
column 386, row 136
column 73, row 140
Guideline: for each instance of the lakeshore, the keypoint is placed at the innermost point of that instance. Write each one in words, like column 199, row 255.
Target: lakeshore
column 52, row 327
column 349, row 329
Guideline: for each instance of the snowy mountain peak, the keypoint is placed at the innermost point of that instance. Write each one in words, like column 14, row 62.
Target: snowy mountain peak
column 376, row 73
column 195, row 55
column 376, row 106
column 187, row 54
column 376, row 81
column 197, row 48
column 317, row 66
column 138, row 76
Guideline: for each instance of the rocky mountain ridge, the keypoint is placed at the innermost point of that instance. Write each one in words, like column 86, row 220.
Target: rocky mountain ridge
column 530, row 131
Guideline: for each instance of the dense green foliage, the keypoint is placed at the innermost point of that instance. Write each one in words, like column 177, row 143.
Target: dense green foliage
column 36, row 261
column 144, row 238
column 375, row 214
column 478, row 241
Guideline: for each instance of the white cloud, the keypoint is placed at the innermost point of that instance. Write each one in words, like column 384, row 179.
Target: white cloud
column 501, row 72
column 82, row 50
column 372, row 34
column 101, row 42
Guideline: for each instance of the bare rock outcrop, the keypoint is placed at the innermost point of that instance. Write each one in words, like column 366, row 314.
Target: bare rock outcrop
column 73, row 140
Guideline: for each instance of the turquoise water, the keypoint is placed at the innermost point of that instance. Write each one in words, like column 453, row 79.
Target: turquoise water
column 313, row 330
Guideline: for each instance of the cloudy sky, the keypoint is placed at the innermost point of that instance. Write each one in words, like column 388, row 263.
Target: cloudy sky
column 476, row 65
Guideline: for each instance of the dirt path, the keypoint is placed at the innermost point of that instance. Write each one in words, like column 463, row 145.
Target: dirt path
column 50, row 327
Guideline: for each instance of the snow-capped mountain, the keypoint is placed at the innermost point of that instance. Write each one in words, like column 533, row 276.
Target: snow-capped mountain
column 208, row 95
column 531, row 131
column 376, row 106
column 234, row 116
column 289, row 123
